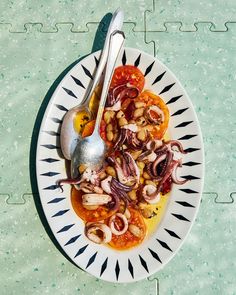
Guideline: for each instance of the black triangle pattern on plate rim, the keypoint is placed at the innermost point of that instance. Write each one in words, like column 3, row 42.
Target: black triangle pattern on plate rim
column 51, row 187
column 164, row 245
column 181, row 203
column 70, row 92
column 50, row 146
column 91, row 259
column 56, row 120
column 137, row 61
column 78, row 82
column 81, row 250
column 50, row 174
column 117, row 270
column 56, row 200
column 158, row 78
column 124, row 59
column 87, row 72
column 148, row 69
column 50, row 160
column 72, row 240
column 191, row 163
column 61, row 107
column 96, row 61
column 190, row 177
column 60, row 213
column 185, row 204
column 179, row 112
column 187, row 137
column 180, row 217
column 183, row 124
column 191, row 150
column 53, row 133
column 155, row 255
column 172, row 233
column 174, row 99
column 144, row 263
column 167, row 88
column 104, row 266
column 188, row 191
column 65, row 228
column 131, row 269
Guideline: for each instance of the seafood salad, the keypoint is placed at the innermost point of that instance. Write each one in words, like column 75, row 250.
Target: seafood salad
column 123, row 201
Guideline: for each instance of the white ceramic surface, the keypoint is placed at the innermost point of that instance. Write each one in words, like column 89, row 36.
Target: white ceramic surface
column 146, row 259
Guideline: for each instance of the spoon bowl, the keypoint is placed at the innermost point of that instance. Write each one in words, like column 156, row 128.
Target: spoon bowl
column 91, row 151
column 69, row 136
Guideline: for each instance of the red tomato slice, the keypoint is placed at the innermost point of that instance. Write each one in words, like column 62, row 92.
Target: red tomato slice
column 128, row 240
column 128, row 74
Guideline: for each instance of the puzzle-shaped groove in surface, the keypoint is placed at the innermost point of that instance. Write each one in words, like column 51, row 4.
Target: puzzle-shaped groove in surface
column 189, row 13
column 204, row 62
column 221, row 199
column 151, row 279
column 204, row 263
column 71, row 27
column 30, row 63
column 79, row 13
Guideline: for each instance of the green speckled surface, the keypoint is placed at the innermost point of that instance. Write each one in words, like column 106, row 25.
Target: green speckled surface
column 30, row 62
column 203, row 61
column 190, row 12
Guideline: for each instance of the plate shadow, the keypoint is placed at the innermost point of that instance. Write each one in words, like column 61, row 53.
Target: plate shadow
column 97, row 45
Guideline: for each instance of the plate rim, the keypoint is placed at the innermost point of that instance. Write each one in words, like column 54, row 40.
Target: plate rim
column 200, row 138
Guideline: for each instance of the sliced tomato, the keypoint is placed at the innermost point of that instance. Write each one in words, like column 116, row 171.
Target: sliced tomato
column 128, row 240
column 151, row 99
column 98, row 214
column 128, row 74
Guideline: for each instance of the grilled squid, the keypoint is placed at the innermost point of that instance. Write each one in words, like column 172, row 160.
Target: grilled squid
column 98, row 233
column 154, row 115
column 128, row 171
column 90, row 176
column 106, row 184
column 120, row 92
column 131, row 127
column 116, row 107
column 128, row 136
column 174, row 173
column 154, row 144
column 115, row 227
column 150, row 194
column 87, row 187
column 170, row 171
column 147, row 156
column 95, row 199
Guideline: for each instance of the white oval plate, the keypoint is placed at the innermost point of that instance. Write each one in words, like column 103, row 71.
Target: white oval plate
column 146, row 259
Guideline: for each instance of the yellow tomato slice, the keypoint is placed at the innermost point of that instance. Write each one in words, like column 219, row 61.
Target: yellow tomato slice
column 152, row 99
column 128, row 240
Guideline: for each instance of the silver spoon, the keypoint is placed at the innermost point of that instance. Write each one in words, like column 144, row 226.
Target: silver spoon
column 91, row 150
column 69, row 137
